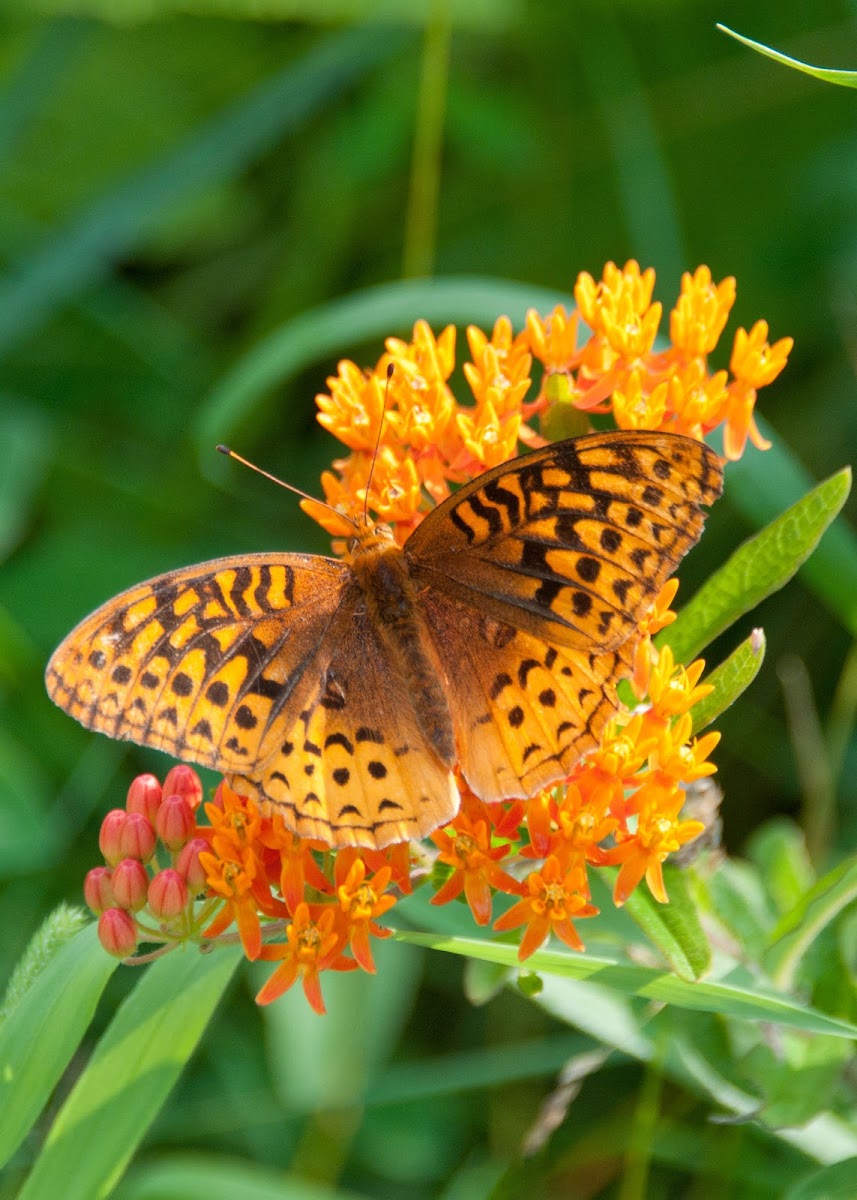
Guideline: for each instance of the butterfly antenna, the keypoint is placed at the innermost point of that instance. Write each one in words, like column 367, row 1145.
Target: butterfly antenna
column 288, row 486
column 390, row 370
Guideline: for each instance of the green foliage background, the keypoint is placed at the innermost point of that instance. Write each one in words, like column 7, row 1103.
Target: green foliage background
column 180, row 182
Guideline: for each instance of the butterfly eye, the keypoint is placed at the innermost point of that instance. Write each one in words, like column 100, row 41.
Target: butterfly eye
column 384, row 530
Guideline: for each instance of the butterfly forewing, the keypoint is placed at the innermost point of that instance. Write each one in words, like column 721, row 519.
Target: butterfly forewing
column 572, row 542
column 201, row 661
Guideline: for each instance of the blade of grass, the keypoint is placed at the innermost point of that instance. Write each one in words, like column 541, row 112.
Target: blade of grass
column 130, row 1074
column 726, row 999
column 826, row 74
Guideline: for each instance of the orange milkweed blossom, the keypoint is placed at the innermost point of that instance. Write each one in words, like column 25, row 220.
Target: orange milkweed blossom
column 306, row 908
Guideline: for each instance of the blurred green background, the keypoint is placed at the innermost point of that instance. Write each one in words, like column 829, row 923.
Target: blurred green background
column 180, row 181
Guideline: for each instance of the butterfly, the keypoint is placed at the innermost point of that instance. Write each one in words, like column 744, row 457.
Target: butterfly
column 343, row 693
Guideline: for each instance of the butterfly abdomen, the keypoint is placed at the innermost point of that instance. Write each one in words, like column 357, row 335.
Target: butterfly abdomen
column 391, row 601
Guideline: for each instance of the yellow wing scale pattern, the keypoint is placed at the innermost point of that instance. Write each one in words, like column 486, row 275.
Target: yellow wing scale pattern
column 198, row 662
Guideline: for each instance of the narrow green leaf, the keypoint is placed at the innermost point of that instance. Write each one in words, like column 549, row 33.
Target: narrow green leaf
column 762, row 485
column 799, row 928
column 76, row 256
column 729, row 680
column 726, row 999
column 41, row 1035
column 674, row 928
column 757, row 568
column 826, row 74
column 335, row 327
column 130, row 1074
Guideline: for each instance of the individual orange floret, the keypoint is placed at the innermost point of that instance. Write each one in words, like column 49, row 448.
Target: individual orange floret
column 658, row 834
column 673, row 689
column 556, row 896
column 603, row 775
column 553, row 339
column 634, row 408
column 236, row 880
column 696, row 401
column 352, row 410
column 465, row 845
column 361, row 901
column 754, row 364
column 620, row 308
column 297, row 868
column 701, row 312
column 312, row 945
column 424, row 361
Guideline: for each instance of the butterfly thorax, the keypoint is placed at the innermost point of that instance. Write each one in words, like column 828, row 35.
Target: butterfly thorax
column 380, row 570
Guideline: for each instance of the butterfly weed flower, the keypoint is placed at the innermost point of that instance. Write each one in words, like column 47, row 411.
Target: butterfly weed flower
column 176, row 870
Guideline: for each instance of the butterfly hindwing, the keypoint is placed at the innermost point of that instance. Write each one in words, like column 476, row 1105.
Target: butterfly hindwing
column 355, row 767
column 199, row 662
column 524, row 711
column 571, row 542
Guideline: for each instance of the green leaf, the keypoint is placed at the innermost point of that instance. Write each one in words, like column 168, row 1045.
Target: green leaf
column 335, row 327
column 729, row 680
column 41, row 1035
column 759, row 567
column 674, row 928
column 778, row 848
column 130, row 1074
column 761, row 486
column 730, row 1001
column 799, row 928
column 826, row 74
column 834, row 1182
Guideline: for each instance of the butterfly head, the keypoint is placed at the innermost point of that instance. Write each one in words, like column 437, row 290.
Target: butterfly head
column 369, row 538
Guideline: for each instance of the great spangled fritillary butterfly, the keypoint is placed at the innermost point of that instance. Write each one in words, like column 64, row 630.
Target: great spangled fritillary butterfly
column 342, row 693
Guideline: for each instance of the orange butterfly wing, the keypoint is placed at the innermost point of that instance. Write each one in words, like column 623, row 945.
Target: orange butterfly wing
column 572, row 542
column 200, row 662
column 536, row 576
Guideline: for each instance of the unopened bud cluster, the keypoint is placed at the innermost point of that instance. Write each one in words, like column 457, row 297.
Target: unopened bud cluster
column 152, row 875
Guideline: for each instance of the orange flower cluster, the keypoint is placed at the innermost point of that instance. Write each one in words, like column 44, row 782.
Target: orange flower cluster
column 618, row 369
column 303, row 907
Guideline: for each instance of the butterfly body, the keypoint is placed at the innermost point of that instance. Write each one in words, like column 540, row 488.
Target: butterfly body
column 341, row 694
column 382, row 573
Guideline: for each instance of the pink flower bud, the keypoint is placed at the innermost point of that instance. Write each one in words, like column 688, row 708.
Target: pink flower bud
column 137, row 838
column 144, row 796
column 167, row 894
column 184, row 781
column 110, row 837
column 190, row 868
column 130, row 884
column 174, row 822
column 97, row 891
column 117, row 932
